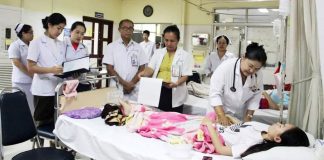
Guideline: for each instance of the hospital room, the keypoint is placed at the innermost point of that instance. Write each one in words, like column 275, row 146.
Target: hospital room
column 161, row 80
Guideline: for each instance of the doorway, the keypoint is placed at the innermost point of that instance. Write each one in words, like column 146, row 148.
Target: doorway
column 99, row 34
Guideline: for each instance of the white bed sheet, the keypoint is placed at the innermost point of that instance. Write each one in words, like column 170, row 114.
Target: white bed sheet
column 95, row 139
column 268, row 116
column 195, row 105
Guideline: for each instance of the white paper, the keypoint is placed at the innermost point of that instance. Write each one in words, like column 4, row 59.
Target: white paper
column 149, row 91
column 81, row 63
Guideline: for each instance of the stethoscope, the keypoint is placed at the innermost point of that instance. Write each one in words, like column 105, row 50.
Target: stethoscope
column 253, row 88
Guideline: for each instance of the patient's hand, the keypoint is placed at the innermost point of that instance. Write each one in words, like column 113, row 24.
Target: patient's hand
column 224, row 120
column 206, row 121
column 125, row 107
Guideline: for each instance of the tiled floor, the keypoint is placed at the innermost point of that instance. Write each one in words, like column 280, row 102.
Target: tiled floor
column 10, row 151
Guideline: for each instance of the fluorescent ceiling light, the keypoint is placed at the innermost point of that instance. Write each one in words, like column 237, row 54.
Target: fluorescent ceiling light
column 275, row 10
column 263, row 10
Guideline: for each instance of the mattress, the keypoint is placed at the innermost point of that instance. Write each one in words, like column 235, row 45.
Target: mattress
column 95, row 139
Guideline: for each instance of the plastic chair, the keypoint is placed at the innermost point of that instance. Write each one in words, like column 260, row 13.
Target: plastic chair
column 17, row 126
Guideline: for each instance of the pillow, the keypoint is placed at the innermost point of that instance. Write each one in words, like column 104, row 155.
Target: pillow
column 311, row 139
column 319, row 149
column 284, row 153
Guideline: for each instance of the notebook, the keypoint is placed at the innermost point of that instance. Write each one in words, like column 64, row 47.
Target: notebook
column 76, row 66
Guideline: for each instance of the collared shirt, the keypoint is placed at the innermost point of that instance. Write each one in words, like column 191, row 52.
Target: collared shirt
column 212, row 61
column 46, row 52
column 242, row 137
column 19, row 50
column 126, row 60
column 245, row 97
column 149, row 48
column 71, row 53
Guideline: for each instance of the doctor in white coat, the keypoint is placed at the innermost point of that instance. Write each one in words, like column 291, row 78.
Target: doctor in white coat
column 18, row 51
column 45, row 58
column 125, row 59
column 236, row 85
column 74, row 49
column 173, row 65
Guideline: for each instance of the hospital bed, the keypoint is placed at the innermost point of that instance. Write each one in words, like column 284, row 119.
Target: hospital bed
column 94, row 139
column 269, row 116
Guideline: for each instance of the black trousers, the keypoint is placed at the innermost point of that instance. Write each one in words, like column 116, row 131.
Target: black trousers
column 165, row 103
column 44, row 109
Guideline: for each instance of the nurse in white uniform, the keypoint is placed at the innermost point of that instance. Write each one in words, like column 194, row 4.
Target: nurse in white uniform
column 173, row 65
column 18, row 50
column 214, row 59
column 45, row 57
column 74, row 49
column 236, row 85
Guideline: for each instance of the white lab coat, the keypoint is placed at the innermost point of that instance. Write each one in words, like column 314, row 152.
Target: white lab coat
column 234, row 103
column 212, row 61
column 71, row 53
column 46, row 52
column 180, row 93
column 19, row 50
column 120, row 56
column 149, row 48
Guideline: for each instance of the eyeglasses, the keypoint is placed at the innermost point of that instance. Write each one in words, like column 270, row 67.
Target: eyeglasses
column 127, row 28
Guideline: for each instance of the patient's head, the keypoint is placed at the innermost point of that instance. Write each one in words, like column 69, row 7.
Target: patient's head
column 287, row 135
column 280, row 135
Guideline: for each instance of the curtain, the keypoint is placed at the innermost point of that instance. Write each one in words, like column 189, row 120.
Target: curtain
column 306, row 108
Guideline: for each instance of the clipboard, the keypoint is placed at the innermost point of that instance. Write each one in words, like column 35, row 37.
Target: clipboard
column 76, row 66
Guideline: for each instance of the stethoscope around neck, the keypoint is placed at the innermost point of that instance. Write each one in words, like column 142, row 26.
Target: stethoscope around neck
column 233, row 89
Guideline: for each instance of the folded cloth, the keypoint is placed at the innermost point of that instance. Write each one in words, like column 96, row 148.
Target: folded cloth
column 197, row 89
column 70, row 88
column 84, row 113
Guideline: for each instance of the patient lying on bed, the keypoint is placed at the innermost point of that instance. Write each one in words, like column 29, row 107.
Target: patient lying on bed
column 237, row 140
column 248, row 138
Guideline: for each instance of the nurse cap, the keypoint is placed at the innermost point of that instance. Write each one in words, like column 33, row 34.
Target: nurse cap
column 19, row 27
column 215, row 38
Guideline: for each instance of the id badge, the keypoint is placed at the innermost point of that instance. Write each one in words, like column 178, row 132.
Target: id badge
column 176, row 71
column 134, row 60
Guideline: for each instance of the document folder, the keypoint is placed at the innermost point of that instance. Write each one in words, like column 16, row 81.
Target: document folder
column 76, row 66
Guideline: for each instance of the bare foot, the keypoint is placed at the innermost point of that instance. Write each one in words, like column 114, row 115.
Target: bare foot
column 125, row 107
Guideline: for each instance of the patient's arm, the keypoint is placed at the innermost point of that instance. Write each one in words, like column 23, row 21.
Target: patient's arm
column 272, row 104
column 220, row 148
column 125, row 107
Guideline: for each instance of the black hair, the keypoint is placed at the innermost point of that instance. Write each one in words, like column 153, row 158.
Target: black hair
column 78, row 23
column 222, row 36
column 256, row 52
column 26, row 28
column 174, row 29
column 147, row 32
column 53, row 19
column 124, row 20
column 291, row 137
